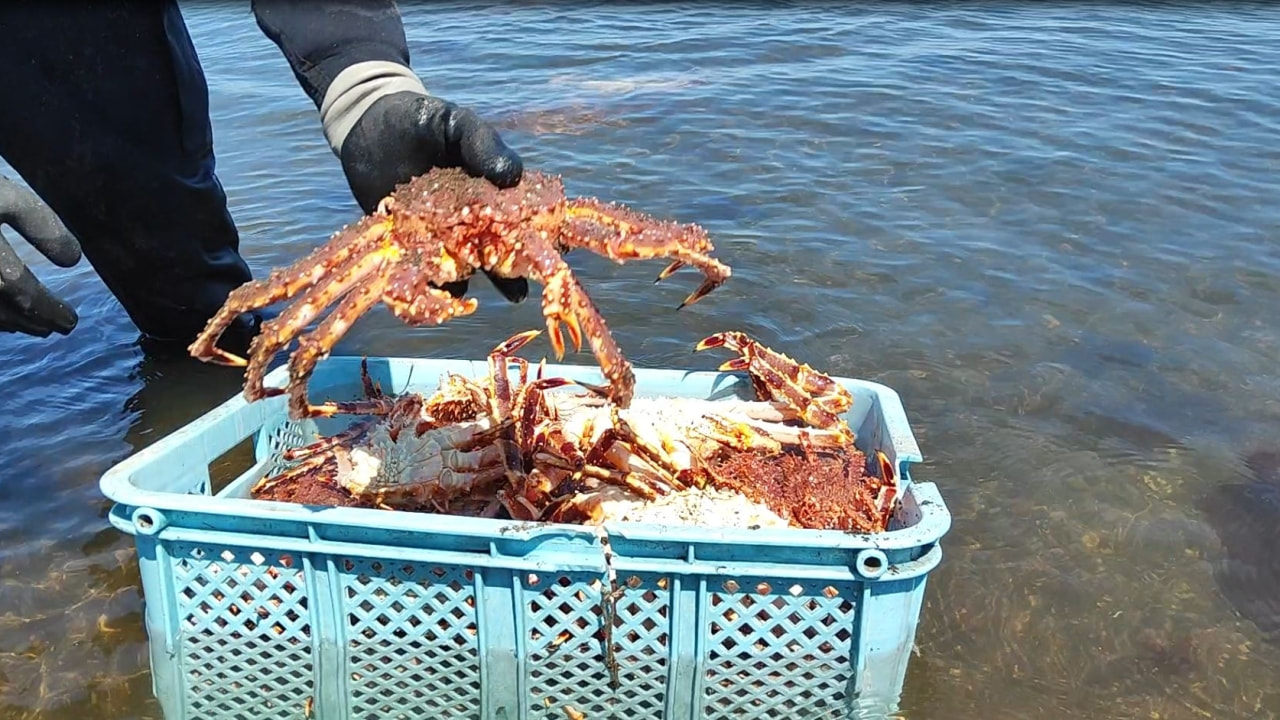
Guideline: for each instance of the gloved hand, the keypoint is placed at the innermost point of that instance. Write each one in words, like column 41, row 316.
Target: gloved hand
column 352, row 59
column 26, row 305
column 405, row 134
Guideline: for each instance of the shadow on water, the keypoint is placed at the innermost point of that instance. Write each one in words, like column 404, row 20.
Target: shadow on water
column 173, row 390
column 1246, row 517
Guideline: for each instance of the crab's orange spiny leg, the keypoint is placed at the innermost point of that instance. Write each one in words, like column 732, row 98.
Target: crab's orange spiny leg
column 276, row 334
column 774, row 364
column 211, row 353
column 282, row 285
column 316, row 345
column 432, row 306
column 416, row 302
column 818, row 398
column 622, row 234
column 564, row 301
column 559, row 296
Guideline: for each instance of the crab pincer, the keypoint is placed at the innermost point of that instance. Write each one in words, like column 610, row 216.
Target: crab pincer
column 816, row 397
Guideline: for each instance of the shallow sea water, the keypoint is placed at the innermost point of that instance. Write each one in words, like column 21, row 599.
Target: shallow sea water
column 1050, row 228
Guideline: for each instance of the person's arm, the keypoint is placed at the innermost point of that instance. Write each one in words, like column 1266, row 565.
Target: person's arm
column 359, row 45
column 352, row 59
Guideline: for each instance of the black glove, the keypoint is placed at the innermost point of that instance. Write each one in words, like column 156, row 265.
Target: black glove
column 406, row 134
column 26, row 305
column 352, row 59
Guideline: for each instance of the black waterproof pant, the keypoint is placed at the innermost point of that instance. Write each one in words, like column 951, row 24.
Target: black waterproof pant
column 104, row 113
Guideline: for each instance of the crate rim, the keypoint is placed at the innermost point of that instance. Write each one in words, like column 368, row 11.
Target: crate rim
column 131, row 502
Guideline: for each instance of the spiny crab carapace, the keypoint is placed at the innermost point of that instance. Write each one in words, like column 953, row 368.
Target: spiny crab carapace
column 512, row 445
column 439, row 228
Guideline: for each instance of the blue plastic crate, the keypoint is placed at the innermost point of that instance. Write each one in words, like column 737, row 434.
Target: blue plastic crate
column 258, row 609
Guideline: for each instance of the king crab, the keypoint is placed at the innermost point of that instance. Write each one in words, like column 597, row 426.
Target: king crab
column 437, row 229
column 506, row 442
column 820, row 401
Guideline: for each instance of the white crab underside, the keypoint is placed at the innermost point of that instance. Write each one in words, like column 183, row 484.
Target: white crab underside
column 432, row 465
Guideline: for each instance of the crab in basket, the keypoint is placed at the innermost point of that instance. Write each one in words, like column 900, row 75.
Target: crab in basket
column 437, row 229
column 529, row 448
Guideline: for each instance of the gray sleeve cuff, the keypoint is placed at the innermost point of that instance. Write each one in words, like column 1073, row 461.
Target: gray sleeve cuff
column 355, row 89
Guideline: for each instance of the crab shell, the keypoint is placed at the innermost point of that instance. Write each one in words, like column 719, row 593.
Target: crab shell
column 433, row 232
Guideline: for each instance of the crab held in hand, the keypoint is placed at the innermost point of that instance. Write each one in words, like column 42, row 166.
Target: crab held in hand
column 440, row 228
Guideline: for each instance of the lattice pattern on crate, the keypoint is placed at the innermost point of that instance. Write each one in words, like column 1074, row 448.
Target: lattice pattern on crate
column 244, row 631
column 778, row 651
column 284, row 435
column 411, row 636
column 567, row 663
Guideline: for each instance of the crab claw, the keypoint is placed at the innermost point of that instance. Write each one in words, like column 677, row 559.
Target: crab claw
column 515, row 342
column 887, row 496
column 557, row 339
column 218, row 356
column 529, row 407
column 818, row 399
column 669, row 270
column 720, row 339
column 732, row 340
column 601, row 390
column 886, row 468
column 702, row 290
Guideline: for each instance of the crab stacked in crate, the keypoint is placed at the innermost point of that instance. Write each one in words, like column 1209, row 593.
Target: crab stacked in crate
column 516, row 449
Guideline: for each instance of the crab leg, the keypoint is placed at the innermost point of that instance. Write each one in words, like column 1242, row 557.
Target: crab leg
column 317, row 344
column 769, row 438
column 653, row 453
column 529, row 407
column 276, row 334
column 499, row 361
column 375, row 401
column 622, row 234
column 624, row 462
column 564, row 301
column 417, row 303
column 350, row 436
column 430, row 306
column 819, row 399
column 282, row 285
